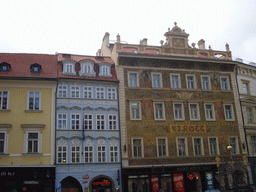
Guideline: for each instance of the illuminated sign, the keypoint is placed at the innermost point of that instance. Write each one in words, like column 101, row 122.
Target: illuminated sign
column 191, row 176
column 101, row 182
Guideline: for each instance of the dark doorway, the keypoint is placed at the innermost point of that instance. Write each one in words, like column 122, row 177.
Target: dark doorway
column 70, row 184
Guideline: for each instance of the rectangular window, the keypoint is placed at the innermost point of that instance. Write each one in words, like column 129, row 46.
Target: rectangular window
column 156, row 80
column 111, row 93
column 62, row 154
column 198, row 149
column 233, row 143
column 69, row 68
column 62, row 121
column 159, row 111
column 213, row 145
column 112, row 122
column 101, row 154
column 190, row 82
column 161, row 143
column 206, row 83
column 249, row 115
column 3, row 100
column 34, row 100
column 100, row 122
column 245, row 86
column 178, row 111
column 135, row 111
column 209, row 112
column 105, row 70
column 113, row 154
column 133, row 79
column 75, row 91
column 175, row 81
column 137, row 147
column 33, row 142
column 181, row 146
column 99, row 92
column 194, row 111
column 88, row 92
column 88, row 154
column 253, row 143
column 229, row 113
column 76, row 154
column 88, row 122
column 62, row 91
column 224, row 84
column 2, row 142
column 75, row 121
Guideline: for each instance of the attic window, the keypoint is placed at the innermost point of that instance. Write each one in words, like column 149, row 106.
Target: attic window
column 5, row 67
column 35, row 68
column 99, row 58
column 66, row 56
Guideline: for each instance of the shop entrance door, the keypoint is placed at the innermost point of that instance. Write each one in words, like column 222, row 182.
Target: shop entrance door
column 191, row 183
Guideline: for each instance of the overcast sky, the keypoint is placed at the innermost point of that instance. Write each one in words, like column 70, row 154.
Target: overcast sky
column 78, row 27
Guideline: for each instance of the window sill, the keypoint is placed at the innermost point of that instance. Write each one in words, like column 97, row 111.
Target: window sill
column 179, row 119
column 160, row 119
column 33, row 111
column 192, row 90
column 32, row 154
column 210, row 120
column 134, row 87
column 207, row 90
column 5, row 110
column 62, row 97
column 4, row 154
column 135, row 119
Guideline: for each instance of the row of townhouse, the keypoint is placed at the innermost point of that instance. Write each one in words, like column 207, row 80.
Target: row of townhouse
column 134, row 118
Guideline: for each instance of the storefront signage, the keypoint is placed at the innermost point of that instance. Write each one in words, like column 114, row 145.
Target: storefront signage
column 199, row 168
column 178, row 182
column 154, row 183
column 84, row 182
column 85, row 177
column 30, row 182
column 189, row 128
column 209, row 180
column 191, row 176
column 104, row 182
column 7, row 173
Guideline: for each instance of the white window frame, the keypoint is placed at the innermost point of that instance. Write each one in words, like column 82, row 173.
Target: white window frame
column 84, row 69
column 111, row 93
column 88, row 122
column 137, row 80
column 100, row 92
column 188, row 82
column 217, row 146
column 62, row 143
column 75, row 91
column 246, row 89
column 87, row 92
column 100, row 122
column 197, row 110
column 231, row 111
column 38, row 141
column 69, row 68
column 113, row 151
column 90, row 152
column 209, row 82
column 105, row 70
column 182, row 111
column 156, row 112
column 160, row 83
column 250, row 114
column 102, row 152
column 227, row 84
column 75, row 119
column 75, row 152
column 34, row 97
column 112, row 122
column 5, row 141
column 213, row 112
column 179, row 83
column 141, row 145
column 236, row 150
column 201, row 146
column 158, row 146
column 139, row 112
column 61, row 90
column 62, row 119
column 2, row 99
column 186, row 146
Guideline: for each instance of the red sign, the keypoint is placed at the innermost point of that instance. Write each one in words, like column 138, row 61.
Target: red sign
column 191, row 176
column 178, row 182
column 85, row 177
column 154, row 183
column 101, row 183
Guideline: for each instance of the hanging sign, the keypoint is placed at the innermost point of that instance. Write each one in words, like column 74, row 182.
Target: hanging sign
column 178, row 182
column 154, row 183
column 191, row 176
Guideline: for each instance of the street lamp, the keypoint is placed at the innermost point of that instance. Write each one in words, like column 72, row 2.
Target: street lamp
column 230, row 148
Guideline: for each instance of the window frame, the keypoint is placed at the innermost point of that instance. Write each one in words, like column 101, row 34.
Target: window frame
column 186, row 146
column 141, row 147
column 112, row 92
column 171, row 81
column 62, row 90
column 69, row 68
column 100, row 120
column 217, row 146
column 137, row 79
column 139, row 108
column 62, row 119
column 213, row 111
column 62, row 143
column 194, row 81
column 160, row 80
column 250, row 115
column 71, row 123
column 231, row 110
column 114, row 153
column 103, row 156
column 166, row 147
column 2, row 99
column 75, row 152
column 84, row 72
column 237, row 146
column 75, row 92
column 155, row 112
column 248, row 90
column 90, row 92
column 34, row 97
column 38, row 142
column 100, row 92
column 209, row 83
column 182, row 111
column 88, row 121
column 114, row 122
column 89, row 152
column 197, row 109
column 201, row 146
column 228, row 84
column 5, row 141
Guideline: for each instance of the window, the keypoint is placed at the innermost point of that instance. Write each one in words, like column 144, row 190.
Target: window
column 112, row 122
column 198, row 149
column 35, row 68
column 34, row 100
column 229, row 113
column 75, row 91
column 159, row 111
column 87, row 92
column 245, row 86
column 104, row 70
column 62, row 91
column 75, row 121
column 87, row 69
column 253, row 144
column 5, row 67
column 113, row 150
column 101, row 151
column 3, row 100
column 135, row 111
column 156, row 80
column 213, row 146
column 224, row 83
column 137, row 147
column 133, row 79
column 191, row 82
column 249, row 115
column 69, row 68
column 175, row 81
column 209, row 112
column 111, row 93
column 206, row 83
column 182, row 146
column 88, row 151
column 100, row 92
column 62, row 121
column 194, row 111
column 88, row 122
column 32, row 142
column 76, row 154
column 100, row 122
column 62, row 151
column 178, row 111
column 161, row 147
column 233, row 143
column 2, row 142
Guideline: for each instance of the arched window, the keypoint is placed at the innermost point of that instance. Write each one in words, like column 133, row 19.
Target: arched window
column 62, row 155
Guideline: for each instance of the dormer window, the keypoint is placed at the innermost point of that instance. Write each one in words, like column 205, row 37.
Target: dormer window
column 105, row 70
column 5, row 67
column 87, row 69
column 35, row 68
column 69, row 68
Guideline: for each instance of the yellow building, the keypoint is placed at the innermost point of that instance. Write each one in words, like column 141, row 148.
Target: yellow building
column 27, row 120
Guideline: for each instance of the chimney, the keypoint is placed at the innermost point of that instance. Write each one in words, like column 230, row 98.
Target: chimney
column 106, row 39
column 201, row 44
column 144, row 41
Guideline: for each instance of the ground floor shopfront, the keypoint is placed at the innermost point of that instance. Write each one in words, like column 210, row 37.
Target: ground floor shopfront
column 170, row 179
column 27, row 179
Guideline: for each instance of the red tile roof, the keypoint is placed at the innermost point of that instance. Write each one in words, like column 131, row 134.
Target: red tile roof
column 96, row 59
column 21, row 62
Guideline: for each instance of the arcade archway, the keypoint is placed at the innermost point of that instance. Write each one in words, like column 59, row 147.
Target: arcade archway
column 102, row 183
column 70, row 184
